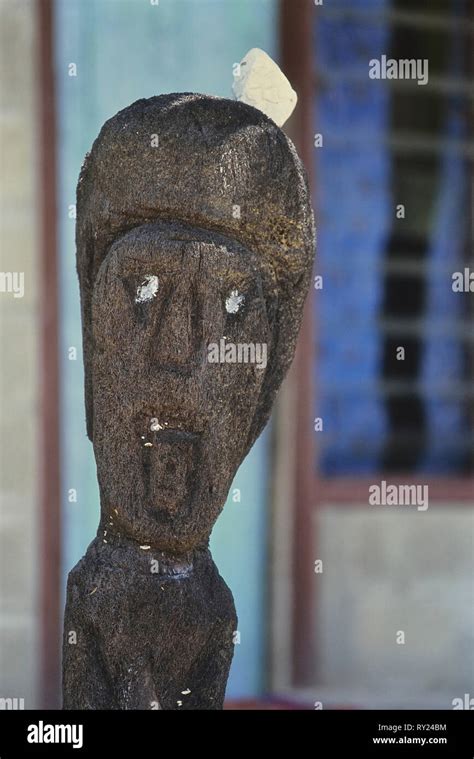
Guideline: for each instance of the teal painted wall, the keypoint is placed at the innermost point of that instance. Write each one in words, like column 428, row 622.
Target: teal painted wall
column 125, row 50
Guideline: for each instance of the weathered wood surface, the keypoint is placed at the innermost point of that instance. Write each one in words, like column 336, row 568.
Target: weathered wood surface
column 184, row 201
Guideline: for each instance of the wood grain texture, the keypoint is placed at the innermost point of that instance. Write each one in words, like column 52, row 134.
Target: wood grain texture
column 204, row 198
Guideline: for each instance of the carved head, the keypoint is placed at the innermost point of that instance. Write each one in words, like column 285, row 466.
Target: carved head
column 195, row 242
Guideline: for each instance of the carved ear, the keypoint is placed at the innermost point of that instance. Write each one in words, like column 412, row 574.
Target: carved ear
column 86, row 274
column 285, row 336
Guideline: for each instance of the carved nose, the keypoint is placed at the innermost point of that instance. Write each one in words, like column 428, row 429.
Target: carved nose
column 176, row 338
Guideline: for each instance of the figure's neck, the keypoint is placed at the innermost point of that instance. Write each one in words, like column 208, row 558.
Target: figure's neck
column 151, row 559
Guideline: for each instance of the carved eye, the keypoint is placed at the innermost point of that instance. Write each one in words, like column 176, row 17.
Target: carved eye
column 234, row 302
column 148, row 289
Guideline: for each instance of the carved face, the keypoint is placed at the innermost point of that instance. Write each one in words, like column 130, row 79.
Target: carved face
column 183, row 323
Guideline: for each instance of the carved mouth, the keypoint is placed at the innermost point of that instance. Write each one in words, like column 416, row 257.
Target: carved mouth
column 157, row 429
column 174, row 434
column 170, row 452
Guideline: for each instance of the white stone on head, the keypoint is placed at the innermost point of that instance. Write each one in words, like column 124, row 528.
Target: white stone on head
column 260, row 82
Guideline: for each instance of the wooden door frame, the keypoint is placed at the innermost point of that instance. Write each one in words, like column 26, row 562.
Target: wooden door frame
column 49, row 464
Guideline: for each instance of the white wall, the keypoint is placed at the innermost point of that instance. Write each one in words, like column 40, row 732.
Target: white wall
column 389, row 569
column 19, row 412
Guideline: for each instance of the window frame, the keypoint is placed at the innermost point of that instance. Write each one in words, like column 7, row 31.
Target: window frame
column 293, row 649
